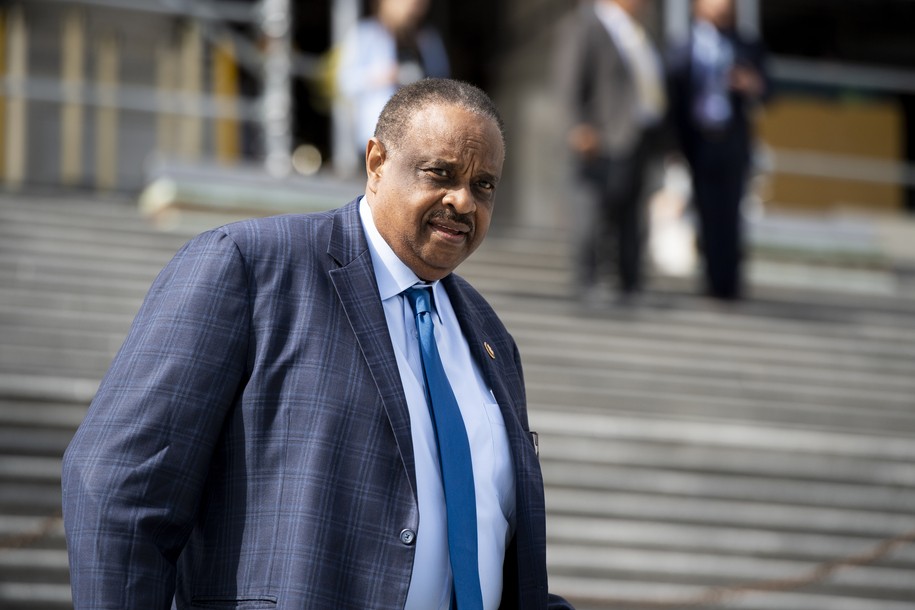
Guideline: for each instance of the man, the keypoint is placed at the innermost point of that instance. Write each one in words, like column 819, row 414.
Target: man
column 611, row 80
column 716, row 77
column 263, row 439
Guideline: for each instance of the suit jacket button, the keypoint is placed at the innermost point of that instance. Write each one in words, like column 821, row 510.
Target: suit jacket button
column 407, row 536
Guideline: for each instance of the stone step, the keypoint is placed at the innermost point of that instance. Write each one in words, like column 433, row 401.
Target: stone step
column 36, row 442
column 673, row 326
column 593, row 387
column 611, row 353
column 55, row 360
column 53, row 299
column 699, row 568
column 722, row 434
column 74, row 339
column 38, row 566
column 631, row 591
column 30, row 469
column 35, row 596
column 683, row 456
column 19, row 531
column 715, row 539
column 74, row 286
column 577, row 503
column 692, row 315
column 712, row 485
column 137, row 247
column 44, row 389
column 56, row 269
column 644, row 403
column 30, row 499
column 37, row 316
column 106, row 219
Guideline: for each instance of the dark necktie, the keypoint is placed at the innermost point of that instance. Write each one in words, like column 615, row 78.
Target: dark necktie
column 454, row 455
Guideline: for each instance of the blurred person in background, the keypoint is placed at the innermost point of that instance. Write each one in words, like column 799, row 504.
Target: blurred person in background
column 715, row 79
column 384, row 52
column 611, row 80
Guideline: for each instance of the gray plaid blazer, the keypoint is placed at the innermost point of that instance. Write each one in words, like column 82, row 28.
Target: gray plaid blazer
column 250, row 445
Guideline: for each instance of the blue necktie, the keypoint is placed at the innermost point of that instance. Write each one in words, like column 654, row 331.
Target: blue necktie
column 454, row 455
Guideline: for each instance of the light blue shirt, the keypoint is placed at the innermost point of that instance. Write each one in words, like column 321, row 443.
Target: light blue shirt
column 713, row 58
column 493, row 475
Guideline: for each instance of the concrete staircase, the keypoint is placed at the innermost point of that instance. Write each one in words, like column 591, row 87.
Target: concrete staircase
column 72, row 275
column 688, row 449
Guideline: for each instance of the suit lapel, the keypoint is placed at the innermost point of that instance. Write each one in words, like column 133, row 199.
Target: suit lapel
column 356, row 287
column 528, row 563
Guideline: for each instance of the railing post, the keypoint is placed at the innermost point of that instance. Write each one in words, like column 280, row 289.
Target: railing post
column 73, row 48
column 15, row 143
column 277, row 96
column 191, row 133
column 106, row 127
column 344, row 17
column 166, row 99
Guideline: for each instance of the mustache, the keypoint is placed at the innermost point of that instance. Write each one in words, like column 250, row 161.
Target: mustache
column 453, row 217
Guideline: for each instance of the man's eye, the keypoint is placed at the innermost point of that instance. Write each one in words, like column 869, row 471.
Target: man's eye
column 486, row 185
column 437, row 171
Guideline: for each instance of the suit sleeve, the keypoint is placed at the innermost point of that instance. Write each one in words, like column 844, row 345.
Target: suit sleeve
column 134, row 472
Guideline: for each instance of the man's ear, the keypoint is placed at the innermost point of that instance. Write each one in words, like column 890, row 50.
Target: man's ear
column 375, row 155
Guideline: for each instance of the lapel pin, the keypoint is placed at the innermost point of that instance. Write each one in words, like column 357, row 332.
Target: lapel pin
column 489, row 350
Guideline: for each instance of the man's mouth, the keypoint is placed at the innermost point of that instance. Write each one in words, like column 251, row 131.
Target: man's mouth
column 451, row 227
column 448, row 229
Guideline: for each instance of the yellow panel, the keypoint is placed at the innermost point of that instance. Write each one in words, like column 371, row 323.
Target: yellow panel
column 226, row 90
column 865, row 128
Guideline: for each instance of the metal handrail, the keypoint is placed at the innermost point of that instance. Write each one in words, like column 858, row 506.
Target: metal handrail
column 236, row 12
column 134, row 97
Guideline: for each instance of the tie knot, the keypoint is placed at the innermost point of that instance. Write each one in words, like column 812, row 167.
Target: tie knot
column 420, row 298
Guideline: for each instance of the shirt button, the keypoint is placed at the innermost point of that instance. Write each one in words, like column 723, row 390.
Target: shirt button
column 407, row 536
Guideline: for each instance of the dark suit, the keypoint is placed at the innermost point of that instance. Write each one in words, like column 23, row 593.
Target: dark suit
column 250, row 446
column 598, row 89
column 719, row 161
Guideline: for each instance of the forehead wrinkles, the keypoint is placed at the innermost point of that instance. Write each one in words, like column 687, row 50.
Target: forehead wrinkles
column 454, row 134
column 476, row 154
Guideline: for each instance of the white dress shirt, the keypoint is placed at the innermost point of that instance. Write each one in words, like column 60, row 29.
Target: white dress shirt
column 493, row 475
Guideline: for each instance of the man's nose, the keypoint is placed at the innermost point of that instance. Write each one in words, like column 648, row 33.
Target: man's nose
column 461, row 199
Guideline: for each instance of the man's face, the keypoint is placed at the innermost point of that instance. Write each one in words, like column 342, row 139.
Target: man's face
column 432, row 193
column 719, row 13
column 402, row 16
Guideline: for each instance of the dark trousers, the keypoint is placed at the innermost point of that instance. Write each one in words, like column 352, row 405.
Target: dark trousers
column 719, row 182
column 609, row 232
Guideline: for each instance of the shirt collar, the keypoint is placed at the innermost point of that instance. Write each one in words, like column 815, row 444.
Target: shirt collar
column 391, row 274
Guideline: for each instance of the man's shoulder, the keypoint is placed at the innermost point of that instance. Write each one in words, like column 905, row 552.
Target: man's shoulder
column 276, row 226
column 284, row 228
